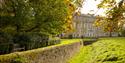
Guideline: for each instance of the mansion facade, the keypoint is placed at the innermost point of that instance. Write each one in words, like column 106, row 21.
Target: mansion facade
column 84, row 27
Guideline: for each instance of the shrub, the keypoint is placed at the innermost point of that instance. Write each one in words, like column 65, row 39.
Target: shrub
column 5, row 43
column 22, row 39
column 39, row 40
column 54, row 41
column 5, row 37
column 6, row 48
column 31, row 40
column 123, row 33
column 70, row 36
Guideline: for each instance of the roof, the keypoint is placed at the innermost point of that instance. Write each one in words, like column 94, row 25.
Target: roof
column 88, row 18
column 87, row 15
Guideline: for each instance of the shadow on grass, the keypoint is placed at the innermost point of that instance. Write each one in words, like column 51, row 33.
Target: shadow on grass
column 89, row 41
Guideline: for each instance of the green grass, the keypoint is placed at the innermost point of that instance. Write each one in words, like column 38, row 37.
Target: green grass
column 106, row 50
column 68, row 41
column 65, row 42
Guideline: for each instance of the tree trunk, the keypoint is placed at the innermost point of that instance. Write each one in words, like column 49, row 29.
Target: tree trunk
column 110, row 34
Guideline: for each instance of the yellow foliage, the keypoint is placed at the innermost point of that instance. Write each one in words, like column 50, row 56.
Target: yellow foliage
column 96, row 23
column 71, row 9
column 78, row 13
column 70, row 17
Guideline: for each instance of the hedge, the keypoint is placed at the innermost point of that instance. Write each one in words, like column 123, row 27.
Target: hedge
column 52, row 54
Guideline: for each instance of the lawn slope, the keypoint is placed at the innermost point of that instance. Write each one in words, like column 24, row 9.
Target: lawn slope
column 105, row 50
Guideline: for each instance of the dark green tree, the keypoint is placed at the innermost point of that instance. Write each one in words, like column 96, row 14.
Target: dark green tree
column 36, row 19
column 43, row 16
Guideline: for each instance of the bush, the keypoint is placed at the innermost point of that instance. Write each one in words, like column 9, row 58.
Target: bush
column 54, row 41
column 27, row 40
column 123, row 33
column 31, row 40
column 5, row 37
column 6, row 48
column 22, row 39
column 5, row 43
column 70, row 36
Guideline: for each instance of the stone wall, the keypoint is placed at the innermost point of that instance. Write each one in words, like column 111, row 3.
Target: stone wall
column 52, row 54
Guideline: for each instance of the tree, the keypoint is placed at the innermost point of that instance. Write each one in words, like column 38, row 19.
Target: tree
column 16, row 15
column 44, row 16
column 30, row 23
column 113, row 22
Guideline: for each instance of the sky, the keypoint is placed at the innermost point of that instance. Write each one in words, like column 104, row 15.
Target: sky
column 89, row 5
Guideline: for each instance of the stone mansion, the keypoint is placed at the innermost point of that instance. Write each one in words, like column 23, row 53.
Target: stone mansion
column 83, row 25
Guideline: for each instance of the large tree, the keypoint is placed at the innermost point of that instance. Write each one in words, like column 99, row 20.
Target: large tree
column 43, row 16
column 31, row 22
column 114, row 19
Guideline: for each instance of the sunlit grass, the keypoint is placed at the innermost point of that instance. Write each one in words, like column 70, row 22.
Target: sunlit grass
column 65, row 42
column 106, row 50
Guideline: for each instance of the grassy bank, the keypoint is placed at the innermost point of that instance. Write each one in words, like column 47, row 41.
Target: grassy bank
column 105, row 50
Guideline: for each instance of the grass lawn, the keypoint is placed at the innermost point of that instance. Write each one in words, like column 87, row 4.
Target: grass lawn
column 65, row 42
column 105, row 50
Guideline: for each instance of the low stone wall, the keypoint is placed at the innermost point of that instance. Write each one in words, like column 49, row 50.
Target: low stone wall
column 52, row 54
